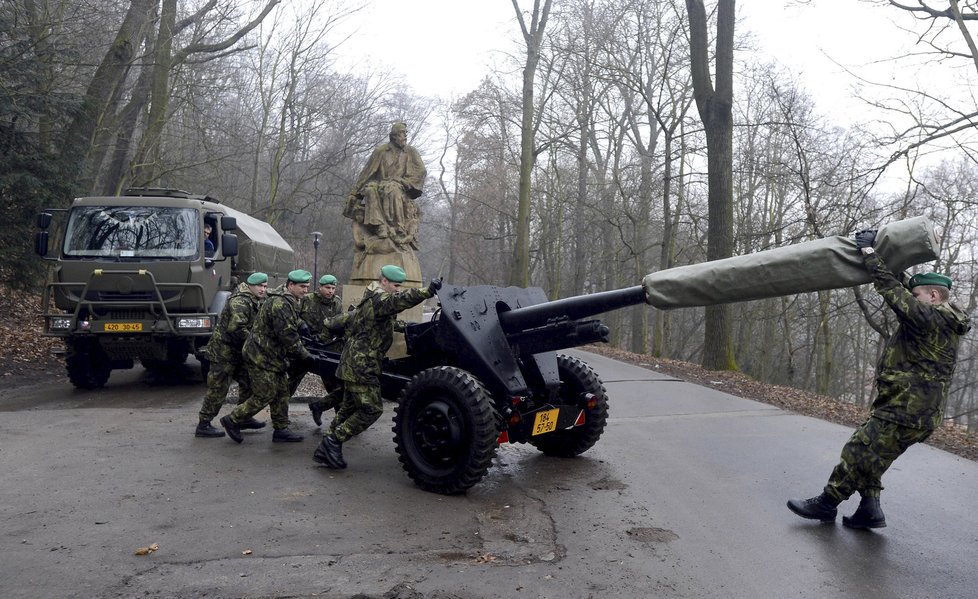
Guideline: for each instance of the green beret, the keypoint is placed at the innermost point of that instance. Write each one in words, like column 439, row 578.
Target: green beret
column 327, row 280
column 300, row 276
column 930, row 278
column 394, row 274
column 257, row 278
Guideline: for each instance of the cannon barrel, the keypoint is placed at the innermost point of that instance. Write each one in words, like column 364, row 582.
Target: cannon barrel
column 573, row 308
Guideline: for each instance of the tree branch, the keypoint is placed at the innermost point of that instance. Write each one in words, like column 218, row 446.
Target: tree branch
column 181, row 56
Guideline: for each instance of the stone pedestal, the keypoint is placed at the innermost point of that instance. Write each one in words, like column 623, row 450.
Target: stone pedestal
column 352, row 294
column 366, row 267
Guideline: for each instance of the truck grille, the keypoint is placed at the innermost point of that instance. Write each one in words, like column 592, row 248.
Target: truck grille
column 134, row 296
column 115, row 296
column 126, row 315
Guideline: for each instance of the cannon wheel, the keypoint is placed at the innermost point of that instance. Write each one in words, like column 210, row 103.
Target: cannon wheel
column 87, row 365
column 576, row 379
column 445, row 430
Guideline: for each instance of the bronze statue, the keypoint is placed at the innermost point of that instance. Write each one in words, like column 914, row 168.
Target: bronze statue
column 381, row 204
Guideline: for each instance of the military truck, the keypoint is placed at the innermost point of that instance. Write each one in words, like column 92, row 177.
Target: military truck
column 135, row 278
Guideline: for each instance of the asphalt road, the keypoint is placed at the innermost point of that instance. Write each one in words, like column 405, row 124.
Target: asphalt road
column 682, row 497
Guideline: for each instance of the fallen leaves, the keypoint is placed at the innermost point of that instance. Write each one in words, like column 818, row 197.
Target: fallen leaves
column 148, row 549
column 21, row 345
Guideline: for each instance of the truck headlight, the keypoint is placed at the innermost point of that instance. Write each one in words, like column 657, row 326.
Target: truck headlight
column 201, row 323
column 60, row 323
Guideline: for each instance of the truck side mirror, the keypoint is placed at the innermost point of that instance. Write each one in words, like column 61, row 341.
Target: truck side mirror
column 41, row 242
column 43, row 220
column 228, row 223
column 229, row 243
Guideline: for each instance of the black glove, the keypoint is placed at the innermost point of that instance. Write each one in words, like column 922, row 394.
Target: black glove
column 303, row 329
column 434, row 286
column 866, row 238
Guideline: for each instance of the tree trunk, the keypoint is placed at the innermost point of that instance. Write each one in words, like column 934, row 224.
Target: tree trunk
column 533, row 36
column 715, row 107
column 148, row 167
column 109, row 76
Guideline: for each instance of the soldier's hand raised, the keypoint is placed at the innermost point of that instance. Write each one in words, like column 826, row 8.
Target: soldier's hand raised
column 865, row 238
column 434, row 286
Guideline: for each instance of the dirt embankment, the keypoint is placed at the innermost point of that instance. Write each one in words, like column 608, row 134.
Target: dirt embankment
column 25, row 356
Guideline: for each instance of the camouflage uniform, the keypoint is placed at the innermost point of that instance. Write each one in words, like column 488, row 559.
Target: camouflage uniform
column 224, row 351
column 369, row 332
column 912, row 380
column 273, row 343
column 315, row 310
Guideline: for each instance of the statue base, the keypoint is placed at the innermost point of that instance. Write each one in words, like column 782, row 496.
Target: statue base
column 366, row 268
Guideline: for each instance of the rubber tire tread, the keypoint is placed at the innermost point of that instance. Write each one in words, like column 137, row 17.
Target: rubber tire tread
column 86, row 368
column 471, row 399
column 574, row 441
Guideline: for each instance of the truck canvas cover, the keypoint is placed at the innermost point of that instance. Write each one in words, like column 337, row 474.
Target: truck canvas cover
column 260, row 247
column 827, row 263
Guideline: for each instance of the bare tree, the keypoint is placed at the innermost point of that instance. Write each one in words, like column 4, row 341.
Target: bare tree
column 147, row 164
column 715, row 106
column 105, row 88
column 533, row 37
column 933, row 118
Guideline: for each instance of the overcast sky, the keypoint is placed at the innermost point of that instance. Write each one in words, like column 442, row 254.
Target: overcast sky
column 445, row 47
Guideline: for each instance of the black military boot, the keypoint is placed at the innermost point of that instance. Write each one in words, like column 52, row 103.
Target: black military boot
column 206, row 429
column 251, row 424
column 284, row 435
column 867, row 515
column 330, row 453
column 821, row 508
column 232, row 428
column 317, row 408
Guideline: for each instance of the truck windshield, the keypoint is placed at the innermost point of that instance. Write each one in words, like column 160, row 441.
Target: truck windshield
column 136, row 232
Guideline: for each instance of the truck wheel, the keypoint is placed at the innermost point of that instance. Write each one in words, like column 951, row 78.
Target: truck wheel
column 88, row 366
column 576, row 379
column 445, row 430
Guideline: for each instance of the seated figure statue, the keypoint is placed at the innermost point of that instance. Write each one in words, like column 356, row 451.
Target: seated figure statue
column 381, row 202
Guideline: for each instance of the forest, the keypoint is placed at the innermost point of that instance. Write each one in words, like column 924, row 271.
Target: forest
column 623, row 137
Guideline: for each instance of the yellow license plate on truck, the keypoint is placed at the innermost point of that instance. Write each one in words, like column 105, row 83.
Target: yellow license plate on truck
column 545, row 422
column 123, row 327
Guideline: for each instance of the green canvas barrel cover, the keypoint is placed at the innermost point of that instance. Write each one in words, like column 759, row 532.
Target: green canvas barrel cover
column 827, row 263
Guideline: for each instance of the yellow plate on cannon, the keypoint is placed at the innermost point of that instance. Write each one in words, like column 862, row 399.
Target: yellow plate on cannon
column 545, row 422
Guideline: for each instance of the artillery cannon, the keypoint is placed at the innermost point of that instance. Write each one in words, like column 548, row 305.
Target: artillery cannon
column 484, row 371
